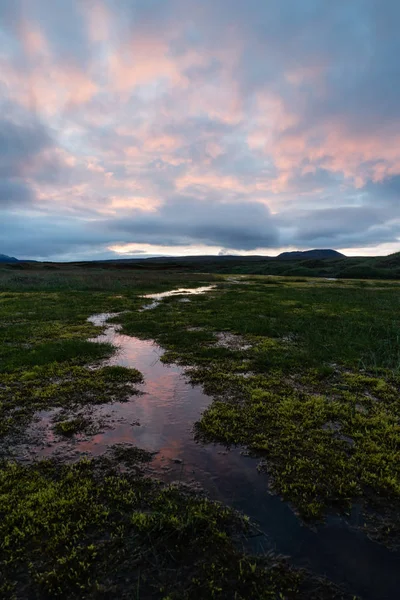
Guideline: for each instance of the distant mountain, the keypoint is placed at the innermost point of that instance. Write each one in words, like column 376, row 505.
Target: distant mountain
column 207, row 258
column 188, row 259
column 7, row 259
column 307, row 254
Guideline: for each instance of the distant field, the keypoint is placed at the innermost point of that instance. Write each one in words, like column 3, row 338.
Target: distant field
column 312, row 264
column 317, row 263
column 304, row 372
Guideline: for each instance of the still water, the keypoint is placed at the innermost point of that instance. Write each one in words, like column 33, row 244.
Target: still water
column 161, row 420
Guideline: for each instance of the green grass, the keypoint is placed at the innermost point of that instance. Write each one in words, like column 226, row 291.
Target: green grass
column 24, row 392
column 70, row 427
column 319, row 403
column 73, row 351
column 333, row 323
column 89, row 531
column 94, row 278
column 130, row 455
column 320, row 400
column 44, row 337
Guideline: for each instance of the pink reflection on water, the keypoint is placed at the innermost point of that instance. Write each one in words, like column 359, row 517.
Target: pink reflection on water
column 166, row 408
column 157, row 298
column 166, row 411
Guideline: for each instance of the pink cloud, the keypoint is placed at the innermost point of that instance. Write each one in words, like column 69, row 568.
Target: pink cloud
column 145, row 118
column 33, row 39
column 134, row 203
column 142, row 60
column 162, row 143
column 99, row 20
column 296, row 147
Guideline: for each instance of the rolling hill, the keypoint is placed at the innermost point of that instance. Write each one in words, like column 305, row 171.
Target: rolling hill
column 7, row 259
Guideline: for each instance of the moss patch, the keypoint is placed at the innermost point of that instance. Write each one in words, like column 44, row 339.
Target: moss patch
column 130, row 455
column 44, row 345
column 88, row 530
column 313, row 388
column 69, row 427
column 22, row 393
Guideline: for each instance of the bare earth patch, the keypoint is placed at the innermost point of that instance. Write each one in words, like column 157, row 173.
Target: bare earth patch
column 231, row 341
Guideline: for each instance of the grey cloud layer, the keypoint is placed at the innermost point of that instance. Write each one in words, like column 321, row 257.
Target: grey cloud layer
column 237, row 227
column 181, row 222
column 294, row 105
column 19, row 146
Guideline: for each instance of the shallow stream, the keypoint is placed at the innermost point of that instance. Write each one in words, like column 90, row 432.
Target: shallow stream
column 161, row 420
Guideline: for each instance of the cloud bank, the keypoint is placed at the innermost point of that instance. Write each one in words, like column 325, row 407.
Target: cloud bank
column 215, row 126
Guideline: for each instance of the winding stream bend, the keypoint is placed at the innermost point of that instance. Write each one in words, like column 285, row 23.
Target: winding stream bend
column 166, row 411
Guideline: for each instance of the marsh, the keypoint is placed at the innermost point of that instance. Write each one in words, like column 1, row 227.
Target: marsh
column 284, row 443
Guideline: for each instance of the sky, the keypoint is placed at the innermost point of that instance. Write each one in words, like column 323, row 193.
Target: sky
column 176, row 127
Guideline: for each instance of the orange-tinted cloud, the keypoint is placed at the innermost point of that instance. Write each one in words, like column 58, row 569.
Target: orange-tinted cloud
column 142, row 106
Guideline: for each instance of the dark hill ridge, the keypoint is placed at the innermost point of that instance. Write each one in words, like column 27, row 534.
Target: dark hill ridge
column 311, row 263
column 307, row 254
column 225, row 258
column 7, row 259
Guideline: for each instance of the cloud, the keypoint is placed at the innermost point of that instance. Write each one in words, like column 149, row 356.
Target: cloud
column 14, row 192
column 181, row 221
column 31, row 234
column 20, row 144
column 339, row 228
column 220, row 124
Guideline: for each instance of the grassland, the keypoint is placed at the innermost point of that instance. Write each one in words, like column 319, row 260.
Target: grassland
column 44, row 338
column 305, row 375
column 90, row 531
column 322, row 264
column 309, row 382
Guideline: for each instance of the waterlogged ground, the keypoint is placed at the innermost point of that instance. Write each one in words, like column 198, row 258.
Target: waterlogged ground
column 237, row 369
column 157, row 298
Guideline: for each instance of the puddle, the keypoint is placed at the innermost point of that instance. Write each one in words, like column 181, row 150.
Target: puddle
column 157, row 298
column 161, row 420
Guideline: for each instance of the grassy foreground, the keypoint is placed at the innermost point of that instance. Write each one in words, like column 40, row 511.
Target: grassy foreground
column 89, row 531
column 306, row 375
column 44, row 345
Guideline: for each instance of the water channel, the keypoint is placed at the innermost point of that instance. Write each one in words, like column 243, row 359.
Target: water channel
column 161, row 419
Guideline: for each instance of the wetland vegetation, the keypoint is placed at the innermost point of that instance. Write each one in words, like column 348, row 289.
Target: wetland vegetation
column 304, row 374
